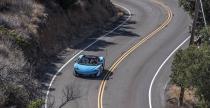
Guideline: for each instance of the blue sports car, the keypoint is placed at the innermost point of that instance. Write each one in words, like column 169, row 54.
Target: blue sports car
column 89, row 65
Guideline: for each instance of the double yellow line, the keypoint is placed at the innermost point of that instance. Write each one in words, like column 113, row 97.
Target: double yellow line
column 122, row 57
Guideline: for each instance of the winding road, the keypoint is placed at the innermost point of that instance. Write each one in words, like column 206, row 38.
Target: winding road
column 134, row 47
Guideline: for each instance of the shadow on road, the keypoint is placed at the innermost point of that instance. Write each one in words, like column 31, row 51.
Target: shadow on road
column 125, row 30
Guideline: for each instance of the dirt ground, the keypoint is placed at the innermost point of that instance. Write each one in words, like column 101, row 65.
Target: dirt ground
column 172, row 97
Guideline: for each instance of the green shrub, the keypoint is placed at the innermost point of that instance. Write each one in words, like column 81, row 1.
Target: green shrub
column 20, row 41
column 36, row 104
column 205, row 33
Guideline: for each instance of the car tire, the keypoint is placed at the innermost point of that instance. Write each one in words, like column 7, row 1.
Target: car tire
column 76, row 74
column 102, row 68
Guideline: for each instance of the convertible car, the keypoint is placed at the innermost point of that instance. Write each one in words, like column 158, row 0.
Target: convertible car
column 89, row 65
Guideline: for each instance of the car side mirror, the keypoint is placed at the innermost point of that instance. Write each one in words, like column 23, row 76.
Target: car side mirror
column 101, row 60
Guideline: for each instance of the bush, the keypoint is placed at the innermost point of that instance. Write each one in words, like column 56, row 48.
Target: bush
column 36, row 103
column 20, row 41
column 16, row 96
column 205, row 33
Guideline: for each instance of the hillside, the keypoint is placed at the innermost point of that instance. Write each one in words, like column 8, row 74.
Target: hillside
column 32, row 31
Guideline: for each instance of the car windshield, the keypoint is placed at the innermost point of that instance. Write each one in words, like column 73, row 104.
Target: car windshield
column 89, row 60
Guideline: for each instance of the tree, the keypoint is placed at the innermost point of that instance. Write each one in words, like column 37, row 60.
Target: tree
column 185, row 63
column 205, row 33
column 202, row 76
column 189, row 6
column 193, row 7
column 70, row 93
column 191, row 68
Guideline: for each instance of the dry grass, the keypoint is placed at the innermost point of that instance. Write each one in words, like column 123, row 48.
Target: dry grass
column 48, row 30
column 22, row 15
column 172, row 94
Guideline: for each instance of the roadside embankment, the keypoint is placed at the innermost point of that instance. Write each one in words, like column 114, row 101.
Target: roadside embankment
column 32, row 32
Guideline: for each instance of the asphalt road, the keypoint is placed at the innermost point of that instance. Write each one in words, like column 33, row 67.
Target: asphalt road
column 128, row 87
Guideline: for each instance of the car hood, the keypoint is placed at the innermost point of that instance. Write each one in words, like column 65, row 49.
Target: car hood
column 86, row 68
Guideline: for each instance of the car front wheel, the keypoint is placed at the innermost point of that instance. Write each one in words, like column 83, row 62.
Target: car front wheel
column 76, row 74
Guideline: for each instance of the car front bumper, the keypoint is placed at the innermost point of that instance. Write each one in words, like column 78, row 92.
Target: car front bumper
column 86, row 73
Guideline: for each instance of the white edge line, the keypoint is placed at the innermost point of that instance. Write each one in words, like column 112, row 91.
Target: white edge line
column 152, row 82
column 51, row 82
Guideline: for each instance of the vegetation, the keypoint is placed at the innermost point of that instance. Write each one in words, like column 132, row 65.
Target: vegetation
column 17, row 86
column 14, row 36
column 36, row 103
column 205, row 34
column 189, row 6
column 191, row 68
column 34, row 31
column 202, row 77
column 184, row 64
